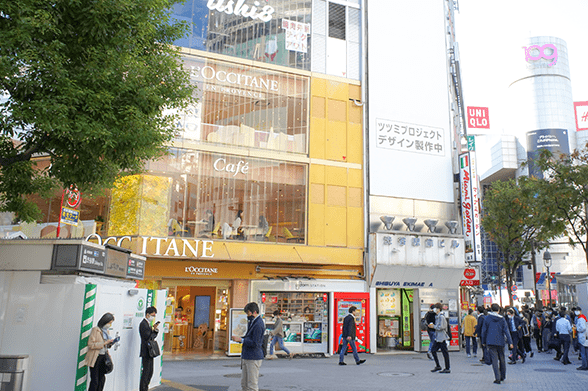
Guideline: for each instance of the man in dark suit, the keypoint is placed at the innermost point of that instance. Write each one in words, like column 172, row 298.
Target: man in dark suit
column 147, row 333
column 515, row 326
column 349, row 330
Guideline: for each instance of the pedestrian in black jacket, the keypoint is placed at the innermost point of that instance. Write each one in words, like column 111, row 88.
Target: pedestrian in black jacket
column 430, row 319
column 147, row 333
column 348, row 333
column 515, row 326
column 481, row 316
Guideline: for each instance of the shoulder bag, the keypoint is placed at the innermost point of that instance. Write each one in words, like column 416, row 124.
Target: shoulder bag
column 108, row 364
column 153, row 348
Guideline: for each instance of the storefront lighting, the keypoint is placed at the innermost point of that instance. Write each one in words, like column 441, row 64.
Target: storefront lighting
column 451, row 226
column 410, row 223
column 431, row 223
column 387, row 220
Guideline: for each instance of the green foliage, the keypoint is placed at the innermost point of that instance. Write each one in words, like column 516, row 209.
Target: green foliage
column 516, row 219
column 565, row 190
column 86, row 83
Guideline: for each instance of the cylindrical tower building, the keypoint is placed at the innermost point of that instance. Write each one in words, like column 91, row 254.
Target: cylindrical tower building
column 541, row 104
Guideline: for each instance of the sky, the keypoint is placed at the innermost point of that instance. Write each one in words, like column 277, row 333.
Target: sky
column 486, row 28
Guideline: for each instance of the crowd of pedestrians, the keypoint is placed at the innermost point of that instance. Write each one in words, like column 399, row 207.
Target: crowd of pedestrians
column 554, row 329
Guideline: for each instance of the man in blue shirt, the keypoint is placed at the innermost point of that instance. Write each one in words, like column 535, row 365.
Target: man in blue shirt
column 564, row 329
column 251, row 352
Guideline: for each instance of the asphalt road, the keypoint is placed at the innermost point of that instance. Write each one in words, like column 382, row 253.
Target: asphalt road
column 409, row 371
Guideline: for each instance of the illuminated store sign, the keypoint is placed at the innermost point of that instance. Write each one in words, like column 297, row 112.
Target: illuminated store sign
column 209, row 73
column 239, row 8
column 536, row 52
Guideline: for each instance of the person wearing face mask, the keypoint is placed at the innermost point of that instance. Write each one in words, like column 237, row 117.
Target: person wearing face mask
column 147, row 333
column 441, row 330
column 582, row 332
column 515, row 325
column 252, row 349
column 98, row 344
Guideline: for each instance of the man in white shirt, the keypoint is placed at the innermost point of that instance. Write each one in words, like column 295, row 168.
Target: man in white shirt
column 564, row 329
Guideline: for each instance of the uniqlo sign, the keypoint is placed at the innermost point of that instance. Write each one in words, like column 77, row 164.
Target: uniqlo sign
column 478, row 117
column 581, row 110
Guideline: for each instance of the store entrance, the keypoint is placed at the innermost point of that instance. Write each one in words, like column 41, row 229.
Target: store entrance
column 196, row 319
column 395, row 319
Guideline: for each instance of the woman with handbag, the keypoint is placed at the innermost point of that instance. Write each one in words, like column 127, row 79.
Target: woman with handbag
column 97, row 357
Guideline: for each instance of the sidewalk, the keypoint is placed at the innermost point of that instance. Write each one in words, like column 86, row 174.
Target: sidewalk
column 380, row 372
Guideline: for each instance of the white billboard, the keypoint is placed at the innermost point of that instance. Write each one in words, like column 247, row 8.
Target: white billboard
column 470, row 206
column 408, row 101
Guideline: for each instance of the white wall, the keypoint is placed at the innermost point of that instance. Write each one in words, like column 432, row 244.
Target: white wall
column 408, row 82
column 43, row 320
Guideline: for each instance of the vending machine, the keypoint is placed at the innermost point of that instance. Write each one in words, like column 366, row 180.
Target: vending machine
column 343, row 301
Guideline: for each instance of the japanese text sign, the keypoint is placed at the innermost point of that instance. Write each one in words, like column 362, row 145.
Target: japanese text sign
column 410, row 137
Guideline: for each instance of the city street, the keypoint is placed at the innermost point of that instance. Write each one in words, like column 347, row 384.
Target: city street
column 403, row 370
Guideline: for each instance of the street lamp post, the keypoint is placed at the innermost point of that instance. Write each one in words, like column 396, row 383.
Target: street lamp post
column 538, row 303
column 547, row 263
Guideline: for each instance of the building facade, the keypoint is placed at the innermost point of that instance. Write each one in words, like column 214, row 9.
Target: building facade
column 261, row 195
column 415, row 121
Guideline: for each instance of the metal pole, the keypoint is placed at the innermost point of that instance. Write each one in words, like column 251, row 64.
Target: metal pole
column 549, row 285
column 538, row 302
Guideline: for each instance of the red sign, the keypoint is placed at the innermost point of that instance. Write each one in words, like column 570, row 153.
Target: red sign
column 469, row 273
column 478, row 117
column 74, row 197
column 263, row 297
column 469, row 283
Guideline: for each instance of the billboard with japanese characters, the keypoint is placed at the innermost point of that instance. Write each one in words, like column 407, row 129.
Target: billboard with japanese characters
column 410, row 146
column 470, row 206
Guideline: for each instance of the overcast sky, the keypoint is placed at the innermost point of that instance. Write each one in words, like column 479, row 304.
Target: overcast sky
column 485, row 27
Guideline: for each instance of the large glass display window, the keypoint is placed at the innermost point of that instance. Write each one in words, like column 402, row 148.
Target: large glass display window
column 234, row 197
column 246, row 106
column 271, row 31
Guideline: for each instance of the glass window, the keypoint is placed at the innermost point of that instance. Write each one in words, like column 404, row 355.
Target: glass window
column 246, row 106
column 336, row 21
column 276, row 31
column 230, row 197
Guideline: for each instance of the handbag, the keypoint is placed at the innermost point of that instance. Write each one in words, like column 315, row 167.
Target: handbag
column 553, row 342
column 487, row 358
column 153, row 348
column 108, row 364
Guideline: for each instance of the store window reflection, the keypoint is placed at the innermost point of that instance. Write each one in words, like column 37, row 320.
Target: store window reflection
column 245, row 106
column 275, row 32
column 216, row 196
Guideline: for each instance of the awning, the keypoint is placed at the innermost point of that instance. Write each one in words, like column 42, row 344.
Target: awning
column 392, row 276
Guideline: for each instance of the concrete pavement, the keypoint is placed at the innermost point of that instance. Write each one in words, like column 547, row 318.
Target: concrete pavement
column 380, row 372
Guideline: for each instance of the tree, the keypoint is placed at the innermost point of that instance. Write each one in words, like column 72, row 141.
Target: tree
column 516, row 220
column 565, row 188
column 86, row 83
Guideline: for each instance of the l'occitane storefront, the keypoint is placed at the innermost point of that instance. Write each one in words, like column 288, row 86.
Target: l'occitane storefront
column 206, row 278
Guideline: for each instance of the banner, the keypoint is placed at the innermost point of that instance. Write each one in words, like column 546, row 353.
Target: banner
column 470, row 208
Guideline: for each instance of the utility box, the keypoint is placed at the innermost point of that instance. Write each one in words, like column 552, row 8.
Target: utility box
column 12, row 372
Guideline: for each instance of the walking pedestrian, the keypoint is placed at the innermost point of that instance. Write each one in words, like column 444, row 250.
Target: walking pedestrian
column 481, row 316
column 514, row 324
column 147, row 334
column 494, row 333
column 98, row 344
column 430, row 319
column 440, row 337
column 278, row 336
column 582, row 331
column 469, row 329
column 537, row 322
column 546, row 333
column 252, row 348
column 526, row 331
column 564, row 329
column 349, row 333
